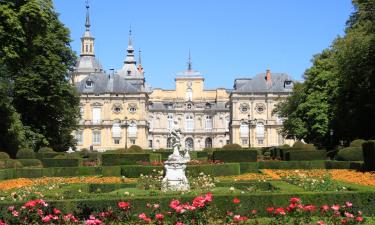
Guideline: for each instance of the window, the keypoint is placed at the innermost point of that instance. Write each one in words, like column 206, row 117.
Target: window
column 91, row 48
column 260, row 141
column 79, row 137
column 96, row 137
column 189, row 94
column 169, row 143
column 117, row 109
column 132, row 109
column 132, row 141
column 117, row 141
column 244, row 141
column 129, row 72
column 244, row 130
column 150, row 143
column 208, row 143
column 82, row 111
column 96, row 115
column 208, row 105
column 208, row 123
column 189, row 144
column 132, row 130
column 89, row 83
column 116, row 130
column 244, row 109
column 87, row 48
column 170, row 121
column 189, row 123
column 189, row 106
column 227, row 121
column 260, row 130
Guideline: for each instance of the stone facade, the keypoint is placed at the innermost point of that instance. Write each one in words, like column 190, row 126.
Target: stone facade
column 118, row 109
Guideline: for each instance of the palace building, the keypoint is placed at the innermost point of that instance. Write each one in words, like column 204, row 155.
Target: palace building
column 119, row 109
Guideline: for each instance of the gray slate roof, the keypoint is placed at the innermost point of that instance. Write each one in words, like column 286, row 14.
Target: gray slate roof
column 88, row 64
column 103, row 83
column 280, row 82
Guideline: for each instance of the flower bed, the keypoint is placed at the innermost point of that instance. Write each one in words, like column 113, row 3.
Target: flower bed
column 199, row 210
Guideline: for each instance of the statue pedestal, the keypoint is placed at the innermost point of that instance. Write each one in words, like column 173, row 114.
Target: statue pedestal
column 175, row 179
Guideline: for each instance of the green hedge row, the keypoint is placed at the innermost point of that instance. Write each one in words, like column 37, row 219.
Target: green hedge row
column 306, row 155
column 362, row 200
column 350, row 154
column 47, row 162
column 112, row 159
column 369, row 155
column 235, row 155
column 105, row 188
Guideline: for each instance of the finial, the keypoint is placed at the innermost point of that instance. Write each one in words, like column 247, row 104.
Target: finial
column 139, row 57
column 130, row 35
column 87, row 24
column 189, row 62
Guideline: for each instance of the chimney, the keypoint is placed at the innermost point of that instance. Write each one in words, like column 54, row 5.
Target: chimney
column 268, row 75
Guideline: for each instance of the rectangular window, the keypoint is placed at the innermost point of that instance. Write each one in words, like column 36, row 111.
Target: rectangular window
column 150, row 143
column 170, row 121
column 117, row 141
column 260, row 141
column 96, row 137
column 132, row 141
column 244, row 141
column 79, row 137
column 96, row 115
column 82, row 111
column 208, row 123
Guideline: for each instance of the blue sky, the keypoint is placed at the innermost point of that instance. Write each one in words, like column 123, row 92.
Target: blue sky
column 227, row 39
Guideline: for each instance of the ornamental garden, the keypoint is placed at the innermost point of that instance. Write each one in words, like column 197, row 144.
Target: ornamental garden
column 274, row 185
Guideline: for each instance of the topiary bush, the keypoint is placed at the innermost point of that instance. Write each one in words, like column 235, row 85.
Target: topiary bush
column 298, row 144
column 4, row 155
column 306, row 155
column 357, row 143
column 350, row 154
column 309, row 147
column 31, row 163
column 68, row 156
column 232, row 147
column 25, row 153
column 369, row 155
column 134, row 148
column 235, row 156
column 45, row 150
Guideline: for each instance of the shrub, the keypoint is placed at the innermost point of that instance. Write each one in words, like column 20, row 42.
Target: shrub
column 9, row 163
column 31, row 162
column 350, row 154
column 306, row 155
column 74, row 155
column 232, row 147
column 25, row 153
column 369, row 155
column 4, row 155
column 357, row 143
column 309, row 147
column 134, row 148
column 235, row 156
column 45, row 150
column 292, row 165
column 227, row 169
column 298, row 144
column 61, row 162
column 129, row 158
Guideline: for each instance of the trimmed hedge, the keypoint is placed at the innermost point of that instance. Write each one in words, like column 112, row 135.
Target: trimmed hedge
column 9, row 163
column 134, row 171
column 4, row 155
column 369, row 155
column 47, row 155
column 227, row 169
column 111, row 171
column 357, row 143
column 350, row 154
column 235, row 155
column 232, row 147
column 25, row 153
column 31, row 162
column 61, row 162
column 306, row 155
column 292, row 165
column 129, row 158
column 105, row 188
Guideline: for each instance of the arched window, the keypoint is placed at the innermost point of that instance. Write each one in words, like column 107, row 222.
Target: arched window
column 208, row 123
column 244, row 130
column 132, row 130
column 116, row 130
column 227, row 121
column 169, row 143
column 189, row 123
column 208, row 143
column 260, row 130
column 170, row 120
column 189, row 144
column 189, row 94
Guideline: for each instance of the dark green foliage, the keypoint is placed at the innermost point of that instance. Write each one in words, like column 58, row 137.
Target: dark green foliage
column 134, row 148
column 235, row 156
column 344, row 165
column 45, row 150
column 47, row 155
column 4, row 155
column 291, row 165
column 71, row 171
column 249, row 167
column 306, row 155
column 74, row 155
column 298, row 144
column 350, row 154
column 227, row 169
column 369, row 155
column 30, row 162
column 357, row 143
column 10, row 163
column 232, row 147
column 6, row 174
column 111, row 171
column 134, row 171
column 25, row 153
column 29, row 172
column 61, row 162
column 105, row 188
column 129, row 158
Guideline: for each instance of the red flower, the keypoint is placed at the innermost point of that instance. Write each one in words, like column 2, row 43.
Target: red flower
column 56, row 211
column 270, row 209
column 295, row 200
column 208, row 197
column 238, row 218
column 335, row 207
column 199, row 202
column 236, row 201
column 124, row 205
column 2, row 223
column 159, row 216
column 325, row 208
column 358, row 219
column 179, row 223
column 174, row 204
column 320, row 223
column 309, row 208
column 280, row 211
column 253, row 212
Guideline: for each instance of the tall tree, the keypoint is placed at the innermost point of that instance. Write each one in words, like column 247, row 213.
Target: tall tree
column 38, row 58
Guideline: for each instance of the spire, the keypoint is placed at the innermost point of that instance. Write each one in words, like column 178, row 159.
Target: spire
column 190, row 64
column 130, row 43
column 140, row 68
column 87, row 24
column 130, row 55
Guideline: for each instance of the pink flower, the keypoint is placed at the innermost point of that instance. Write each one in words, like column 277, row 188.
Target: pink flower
column 143, row 217
column 46, row 219
column 253, row 212
column 156, row 206
column 15, row 213
column 359, row 219
column 335, row 207
column 11, row 208
column 159, row 216
column 124, row 205
column 93, row 221
column 199, row 202
column 174, row 203
column 348, row 204
column 270, row 209
column 309, row 208
column 280, row 211
column 236, row 201
column 179, row 223
column 238, row 218
column 348, row 215
column 295, row 200
column 3, row 223
column 70, row 218
column 56, row 211
column 320, row 223
column 325, row 208
column 208, row 197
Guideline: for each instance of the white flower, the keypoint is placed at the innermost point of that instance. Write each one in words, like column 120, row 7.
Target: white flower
column 126, row 193
column 231, row 188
